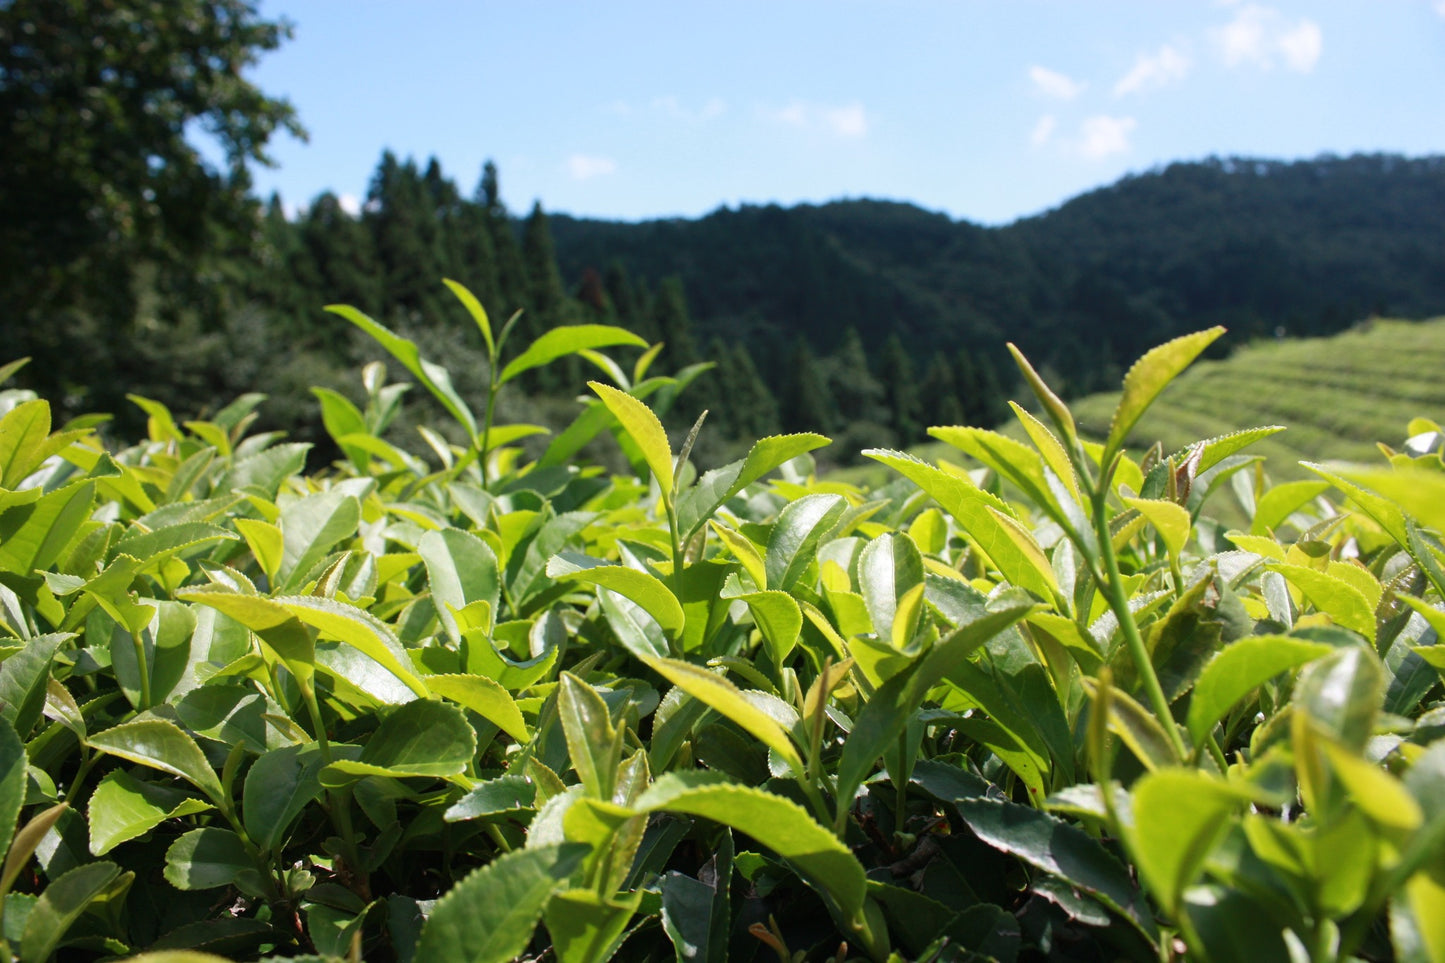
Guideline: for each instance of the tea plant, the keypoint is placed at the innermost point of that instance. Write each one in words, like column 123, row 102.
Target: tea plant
column 1032, row 705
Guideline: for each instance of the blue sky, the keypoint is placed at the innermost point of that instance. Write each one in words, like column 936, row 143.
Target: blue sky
column 987, row 111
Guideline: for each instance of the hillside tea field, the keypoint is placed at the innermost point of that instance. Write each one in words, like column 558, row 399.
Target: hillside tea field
column 475, row 707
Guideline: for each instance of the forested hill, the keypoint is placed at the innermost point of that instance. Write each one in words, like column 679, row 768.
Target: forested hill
column 1308, row 246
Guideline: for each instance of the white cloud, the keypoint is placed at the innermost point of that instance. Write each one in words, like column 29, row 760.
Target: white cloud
column 844, row 120
column 1043, row 130
column 1302, row 46
column 350, row 204
column 1258, row 35
column 1103, row 135
column 1159, row 69
column 586, row 166
column 1054, row 84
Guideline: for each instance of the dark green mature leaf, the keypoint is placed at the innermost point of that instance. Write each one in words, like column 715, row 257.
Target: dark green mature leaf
column 13, row 766
column 422, row 738
column 795, row 536
column 1239, row 669
column 122, row 808
column 461, row 569
column 1149, row 376
column 433, row 376
column 504, row 794
column 162, row 745
column 715, row 487
column 1056, row 847
column 61, row 904
column 24, row 678
column 279, row 786
column 265, row 469
column 888, row 710
column 210, row 857
column 695, row 912
column 489, row 916
column 565, row 340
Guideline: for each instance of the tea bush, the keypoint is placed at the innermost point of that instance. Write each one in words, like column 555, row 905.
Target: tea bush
column 1033, row 705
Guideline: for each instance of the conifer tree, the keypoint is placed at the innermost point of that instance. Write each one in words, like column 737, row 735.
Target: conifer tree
column 511, row 275
column 407, row 237
column 674, row 327
column 939, row 395
column 804, row 401
column 900, row 384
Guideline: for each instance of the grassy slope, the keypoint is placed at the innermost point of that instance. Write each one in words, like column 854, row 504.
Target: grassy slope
column 1337, row 397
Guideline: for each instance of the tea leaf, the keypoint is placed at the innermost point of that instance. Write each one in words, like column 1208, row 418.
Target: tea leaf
column 1054, row 846
column 433, row 376
column 720, row 694
column 646, row 590
column 1178, row 813
column 461, row 569
column 486, row 698
column 1149, row 376
column 209, row 858
column 644, row 429
column 565, row 340
column 62, row 903
column 1239, row 669
column 279, row 786
column 489, row 916
column 475, row 309
column 795, row 536
column 122, row 808
column 162, row 745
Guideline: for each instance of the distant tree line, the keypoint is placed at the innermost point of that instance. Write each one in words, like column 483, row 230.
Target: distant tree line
column 130, row 265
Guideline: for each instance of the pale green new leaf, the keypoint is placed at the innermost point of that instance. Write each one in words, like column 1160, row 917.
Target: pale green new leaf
column 1149, row 376
column 889, row 567
column 485, row 697
column 1058, row 411
column 310, row 528
column 1239, row 669
column 433, row 376
column 565, row 340
column 643, row 428
column 122, row 808
column 461, row 569
column 794, row 539
column 978, row 512
column 728, row 700
column 357, row 628
column 1178, row 813
column 642, row 588
column 1341, row 601
column 1171, row 521
column 475, row 309
column 715, row 487
column 161, row 744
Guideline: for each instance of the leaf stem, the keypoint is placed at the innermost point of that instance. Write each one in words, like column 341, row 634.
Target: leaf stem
column 143, row 668
column 1119, row 603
